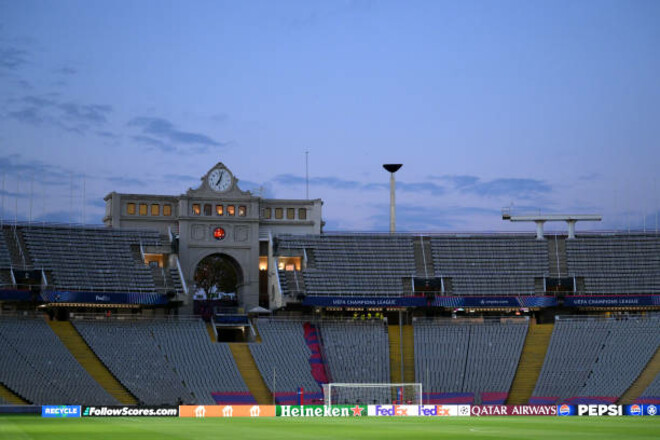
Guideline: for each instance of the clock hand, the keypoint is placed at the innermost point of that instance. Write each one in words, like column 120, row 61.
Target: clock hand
column 219, row 178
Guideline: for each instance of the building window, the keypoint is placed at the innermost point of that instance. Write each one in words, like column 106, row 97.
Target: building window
column 219, row 209
column 231, row 210
column 143, row 209
column 278, row 213
column 302, row 214
column 290, row 213
column 268, row 212
column 207, row 209
column 155, row 209
column 197, row 209
column 242, row 210
column 167, row 210
column 130, row 208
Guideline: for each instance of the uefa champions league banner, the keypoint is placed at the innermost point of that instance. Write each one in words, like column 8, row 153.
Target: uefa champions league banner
column 612, row 301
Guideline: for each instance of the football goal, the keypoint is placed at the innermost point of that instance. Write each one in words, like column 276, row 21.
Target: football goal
column 372, row 393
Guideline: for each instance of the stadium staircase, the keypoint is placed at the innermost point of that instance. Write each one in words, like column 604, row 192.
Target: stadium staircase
column 408, row 354
column 530, row 364
column 423, row 257
column 8, row 396
column 20, row 259
column 90, row 362
column 250, row 373
column 211, row 332
column 643, row 380
column 557, row 256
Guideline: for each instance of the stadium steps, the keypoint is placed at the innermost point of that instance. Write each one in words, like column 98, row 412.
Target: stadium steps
column 557, row 262
column 408, row 354
column 90, row 362
column 250, row 373
column 423, row 257
column 530, row 364
column 8, row 396
column 642, row 382
column 211, row 332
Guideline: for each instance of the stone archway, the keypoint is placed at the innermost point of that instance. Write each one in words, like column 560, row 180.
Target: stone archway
column 220, row 276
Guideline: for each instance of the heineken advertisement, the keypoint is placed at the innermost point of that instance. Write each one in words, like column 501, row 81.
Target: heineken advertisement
column 321, row 411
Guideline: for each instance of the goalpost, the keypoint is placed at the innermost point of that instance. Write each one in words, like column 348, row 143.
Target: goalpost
column 372, row 393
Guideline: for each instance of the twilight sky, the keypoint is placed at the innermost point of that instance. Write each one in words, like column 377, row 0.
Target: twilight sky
column 551, row 106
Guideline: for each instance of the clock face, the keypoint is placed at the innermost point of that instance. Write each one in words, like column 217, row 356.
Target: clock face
column 220, row 180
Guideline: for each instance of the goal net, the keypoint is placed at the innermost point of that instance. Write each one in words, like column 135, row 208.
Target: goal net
column 372, row 393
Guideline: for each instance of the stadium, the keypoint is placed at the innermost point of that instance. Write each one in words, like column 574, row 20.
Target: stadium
column 221, row 299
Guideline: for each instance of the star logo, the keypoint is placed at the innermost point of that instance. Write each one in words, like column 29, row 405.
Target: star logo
column 357, row 411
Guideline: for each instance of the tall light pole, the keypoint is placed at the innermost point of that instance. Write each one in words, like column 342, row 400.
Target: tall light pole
column 392, row 168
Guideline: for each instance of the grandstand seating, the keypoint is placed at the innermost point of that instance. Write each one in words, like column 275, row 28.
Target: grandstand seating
column 131, row 352
column 282, row 357
column 357, row 352
column 5, row 257
column 461, row 361
column 594, row 360
column 206, row 368
column 616, row 264
column 652, row 393
column 490, row 265
column 353, row 265
column 36, row 365
column 92, row 259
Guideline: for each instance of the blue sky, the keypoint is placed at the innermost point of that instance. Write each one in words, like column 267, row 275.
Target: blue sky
column 550, row 106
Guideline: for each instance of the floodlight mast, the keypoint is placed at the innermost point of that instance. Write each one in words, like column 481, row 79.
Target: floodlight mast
column 392, row 168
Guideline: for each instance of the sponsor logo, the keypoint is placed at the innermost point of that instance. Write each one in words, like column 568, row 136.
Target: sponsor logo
column 514, row 410
column 651, row 410
column 394, row 410
column 129, row 411
column 206, row 411
column 60, row 411
column 564, row 410
column 437, row 410
column 464, row 410
column 635, row 410
column 321, row 411
column 599, row 410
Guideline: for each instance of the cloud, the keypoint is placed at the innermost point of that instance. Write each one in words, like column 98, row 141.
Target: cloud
column 66, row 70
column 416, row 218
column 457, row 181
column 107, row 135
column 28, row 115
column 153, row 142
column 11, row 58
column 91, row 114
column 508, row 186
column 160, row 132
column 69, row 116
column 127, row 181
column 344, row 184
column 12, row 165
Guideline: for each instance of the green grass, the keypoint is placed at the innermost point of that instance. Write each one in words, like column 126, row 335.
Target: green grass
column 601, row 428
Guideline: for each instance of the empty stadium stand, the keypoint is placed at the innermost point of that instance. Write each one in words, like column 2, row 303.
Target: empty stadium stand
column 36, row 366
column 595, row 359
column 352, row 264
column 282, row 356
column 166, row 361
column 490, row 265
column 616, row 264
column 652, row 393
column 465, row 362
column 91, row 258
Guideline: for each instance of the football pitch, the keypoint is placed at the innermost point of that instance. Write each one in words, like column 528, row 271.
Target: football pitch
column 601, row 428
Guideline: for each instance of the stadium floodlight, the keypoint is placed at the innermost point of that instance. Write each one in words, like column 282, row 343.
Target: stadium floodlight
column 392, row 168
column 372, row 393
